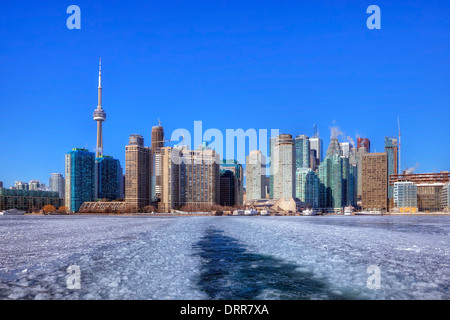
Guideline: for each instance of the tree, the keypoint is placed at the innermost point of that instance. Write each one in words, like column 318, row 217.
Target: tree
column 48, row 208
column 62, row 209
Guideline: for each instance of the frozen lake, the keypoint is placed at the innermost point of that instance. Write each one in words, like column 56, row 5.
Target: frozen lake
column 142, row 257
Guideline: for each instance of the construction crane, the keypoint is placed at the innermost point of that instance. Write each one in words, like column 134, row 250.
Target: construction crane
column 399, row 147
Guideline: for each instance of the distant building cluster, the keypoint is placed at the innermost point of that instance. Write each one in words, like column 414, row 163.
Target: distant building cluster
column 164, row 179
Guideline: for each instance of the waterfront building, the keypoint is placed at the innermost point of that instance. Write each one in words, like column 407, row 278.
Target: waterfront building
column 445, row 203
column 172, row 194
column 57, row 183
column 28, row 200
column 429, row 196
column 283, row 160
column 374, row 181
column 201, row 175
column 302, row 152
column 405, row 196
column 80, row 178
column 255, row 175
column 137, row 173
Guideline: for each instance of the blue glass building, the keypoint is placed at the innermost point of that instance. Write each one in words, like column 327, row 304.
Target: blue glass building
column 80, row 178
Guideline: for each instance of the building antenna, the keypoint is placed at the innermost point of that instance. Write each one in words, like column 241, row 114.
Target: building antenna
column 399, row 146
column 159, row 122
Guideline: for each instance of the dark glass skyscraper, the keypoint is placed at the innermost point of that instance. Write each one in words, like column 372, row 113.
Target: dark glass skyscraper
column 108, row 172
column 302, row 152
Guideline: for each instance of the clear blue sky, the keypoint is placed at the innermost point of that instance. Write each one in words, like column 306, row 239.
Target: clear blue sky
column 231, row 64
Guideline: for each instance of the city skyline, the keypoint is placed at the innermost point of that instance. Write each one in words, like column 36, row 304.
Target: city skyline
column 48, row 97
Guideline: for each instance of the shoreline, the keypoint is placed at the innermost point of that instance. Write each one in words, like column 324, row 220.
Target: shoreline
column 226, row 215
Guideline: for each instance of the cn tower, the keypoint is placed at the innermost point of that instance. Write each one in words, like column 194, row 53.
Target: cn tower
column 99, row 114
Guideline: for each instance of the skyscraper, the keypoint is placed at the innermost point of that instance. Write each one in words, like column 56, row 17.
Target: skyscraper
column 137, row 173
column 99, row 115
column 108, row 174
column 359, row 154
column 283, row 160
column 363, row 142
column 374, row 181
column 391, row 149
column 345, row 147
column 80, row 178
column 307, row 187
column 172, row 194
column 302, row 152
column 57, row 183
column 156, row 177
column 157, row 137
column 316, row 143
column 201, row 175
column 238, row 179
column 255, row 173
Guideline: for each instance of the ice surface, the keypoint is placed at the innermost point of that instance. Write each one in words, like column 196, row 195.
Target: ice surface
column 141, row 257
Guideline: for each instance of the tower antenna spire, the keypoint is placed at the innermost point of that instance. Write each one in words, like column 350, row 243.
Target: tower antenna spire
column 399, row 146
column 99, row 113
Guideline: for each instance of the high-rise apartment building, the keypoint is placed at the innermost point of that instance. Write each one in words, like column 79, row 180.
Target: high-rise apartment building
column 255, row 173
column 272, row 143
column 391, row 149
column 137, row 173
column 57, row 183
column 108, row 176
column 283, row 160
column 233, row 166
column 307, row 187
column 172, row 194
column 80, row 178
column 359, row 154
column 445, row 196
column 201, row 177
column 34, row 185
column 375, row 181
column 302, row 152
column 156, row 176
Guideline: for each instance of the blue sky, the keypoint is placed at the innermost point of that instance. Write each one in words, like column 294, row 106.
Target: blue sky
column 230, row 64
